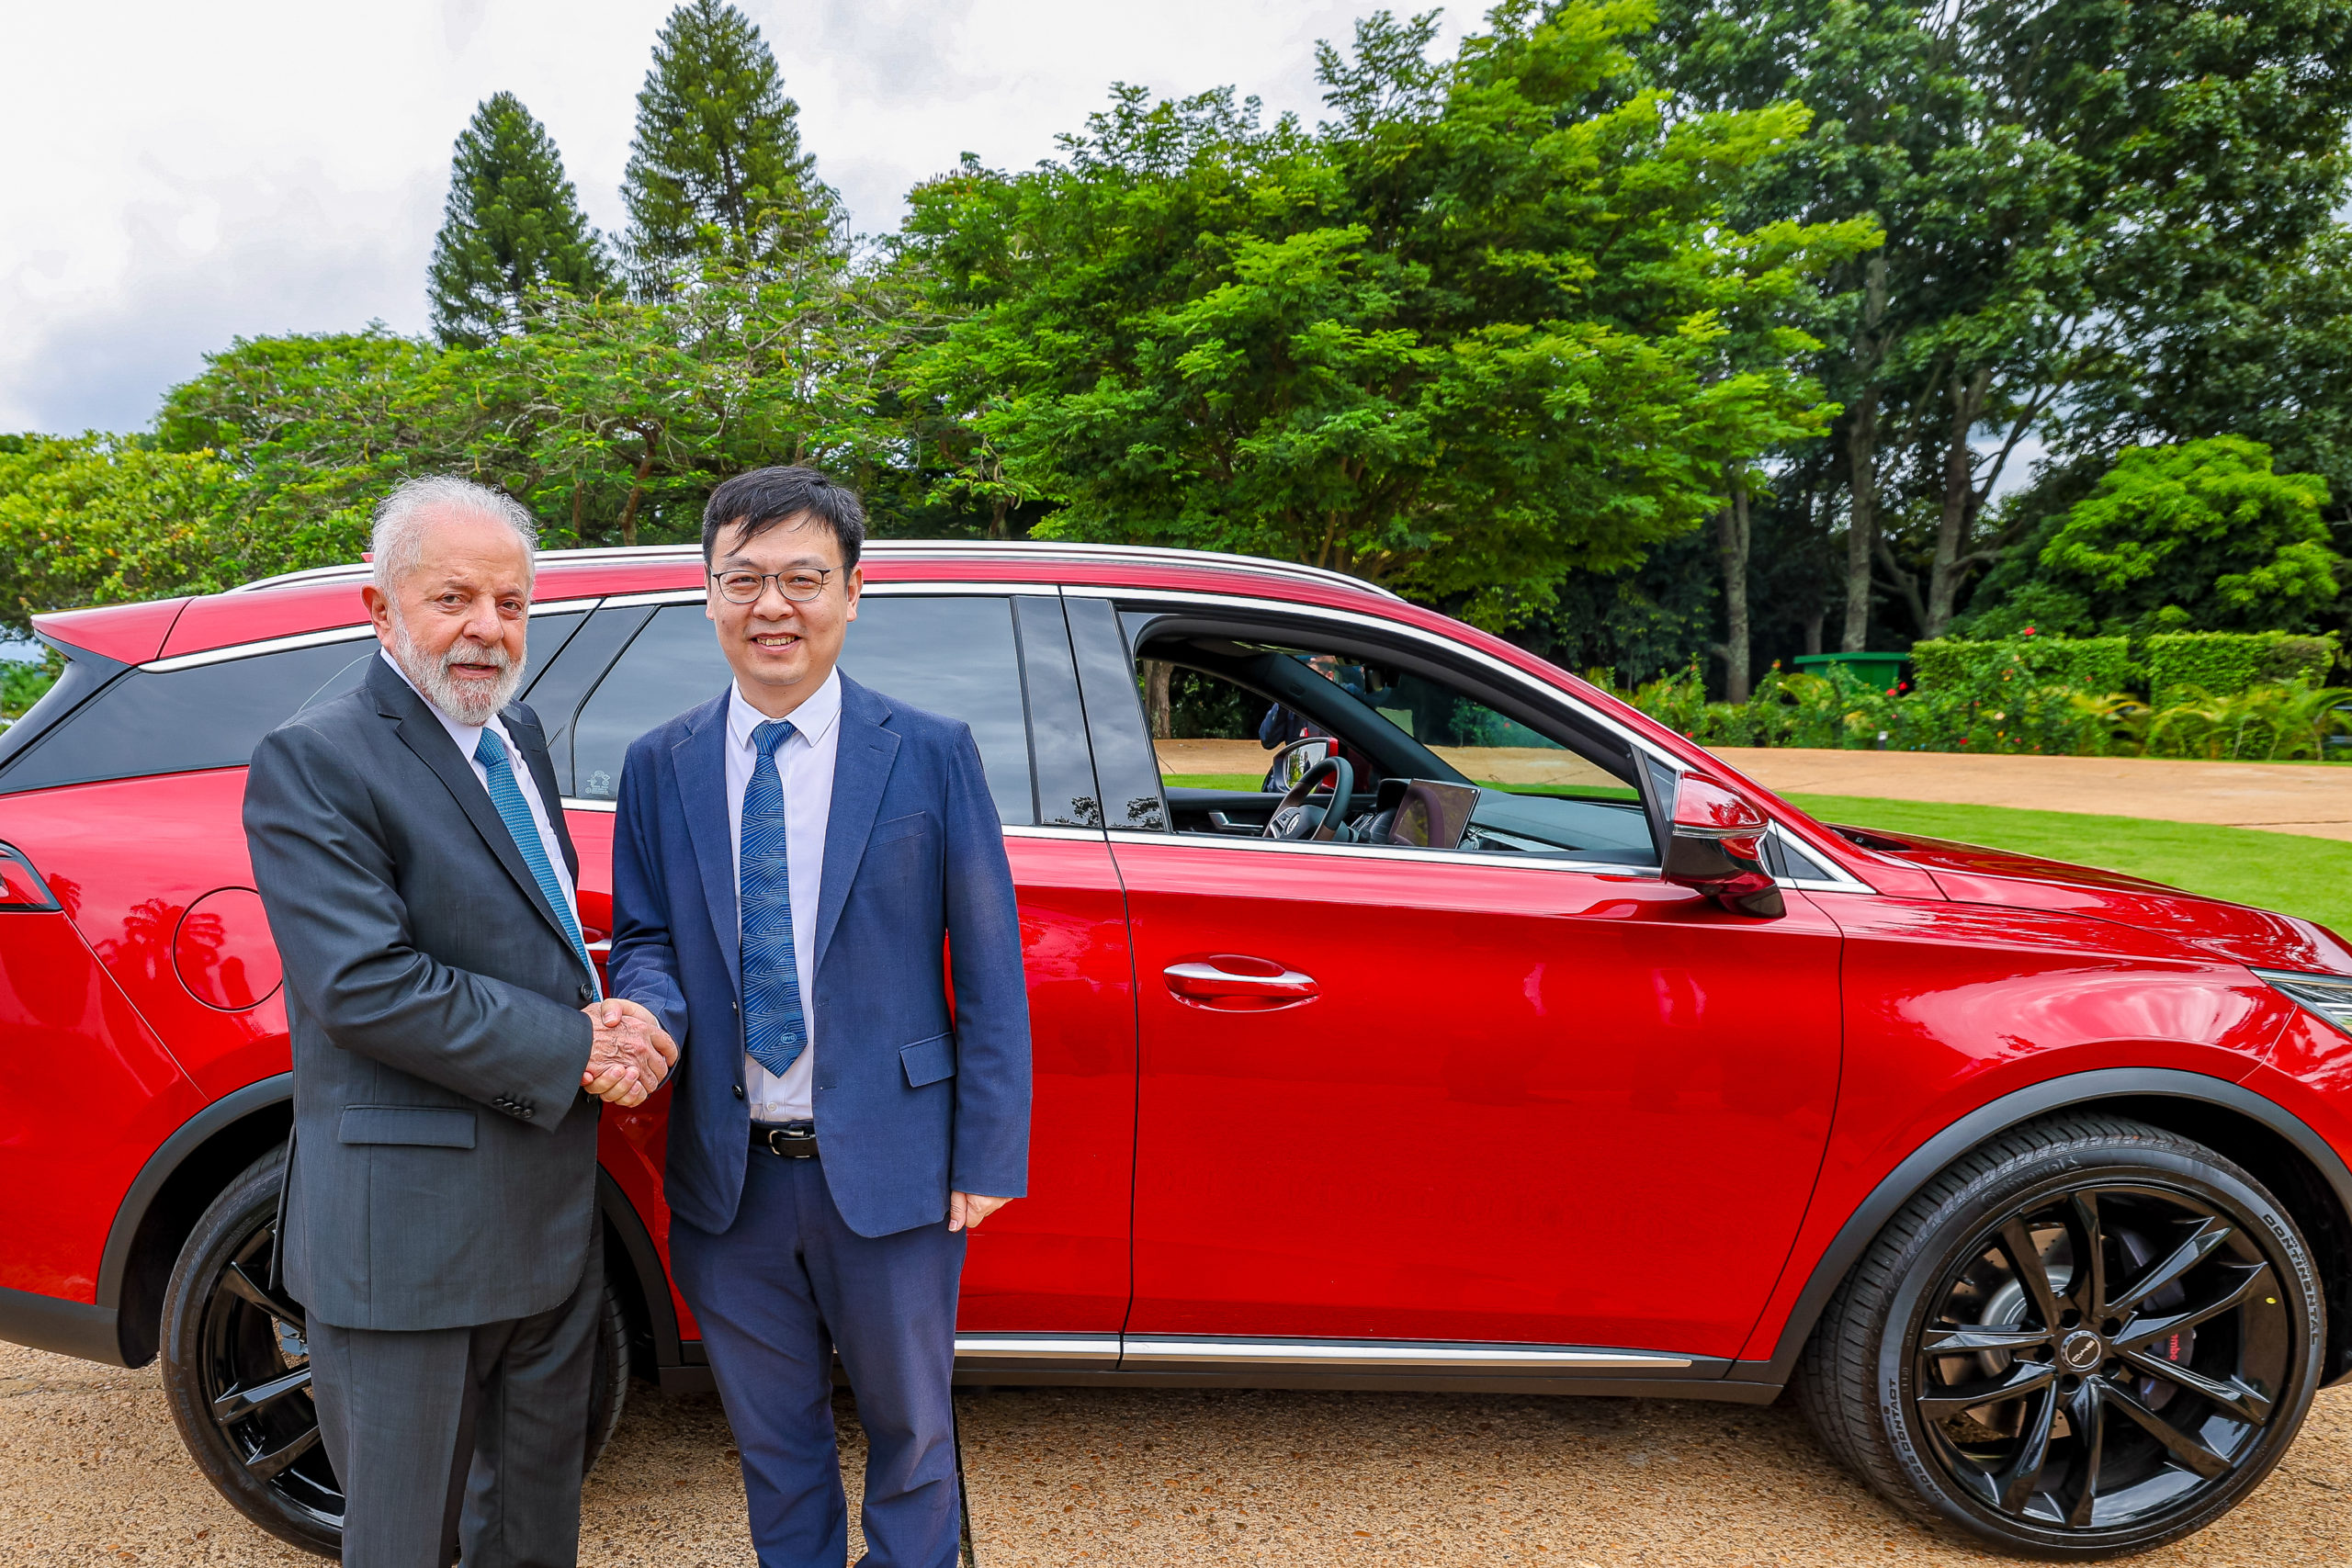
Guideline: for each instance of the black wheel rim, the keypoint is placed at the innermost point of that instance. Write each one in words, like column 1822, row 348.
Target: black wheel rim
column 257, row 1383
column 2105, row 1358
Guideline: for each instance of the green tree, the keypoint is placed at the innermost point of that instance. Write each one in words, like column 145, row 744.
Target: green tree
column 611, row 418
column 716, row 172
column 512, row 228
column 1483, row 326
column 2202, row 535
column 2057, row 180
column 96, row 519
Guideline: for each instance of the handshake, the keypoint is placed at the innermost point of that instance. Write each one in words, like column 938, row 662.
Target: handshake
column 629, row 1054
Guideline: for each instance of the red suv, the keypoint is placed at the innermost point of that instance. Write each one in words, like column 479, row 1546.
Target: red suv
column 1428, row 1019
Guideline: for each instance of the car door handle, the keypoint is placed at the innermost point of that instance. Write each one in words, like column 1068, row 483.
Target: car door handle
column 1202, row 982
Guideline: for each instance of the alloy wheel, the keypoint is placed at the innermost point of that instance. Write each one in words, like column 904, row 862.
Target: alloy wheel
column 2103, row 1358
column 255, row 1372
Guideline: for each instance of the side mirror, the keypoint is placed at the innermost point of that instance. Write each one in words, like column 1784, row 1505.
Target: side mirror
column 1718, row 848
column 1294, row 761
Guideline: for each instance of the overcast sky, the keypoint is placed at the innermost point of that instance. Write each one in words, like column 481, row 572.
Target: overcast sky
column 182, row 175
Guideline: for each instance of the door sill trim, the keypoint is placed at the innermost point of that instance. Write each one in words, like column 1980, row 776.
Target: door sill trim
column 1176, row 1351
column 1403, row 1355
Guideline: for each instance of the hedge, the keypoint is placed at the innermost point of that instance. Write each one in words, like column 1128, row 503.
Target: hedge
column 2100, row 664
column 2224, row 664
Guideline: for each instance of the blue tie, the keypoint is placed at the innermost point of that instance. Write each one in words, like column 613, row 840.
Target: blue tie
column 776, row 1030
column 508, row 797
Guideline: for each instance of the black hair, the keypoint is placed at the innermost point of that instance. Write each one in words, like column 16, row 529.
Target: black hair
column 754, row 503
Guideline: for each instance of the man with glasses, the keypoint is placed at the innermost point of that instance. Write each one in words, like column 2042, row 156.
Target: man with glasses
column 799, row 867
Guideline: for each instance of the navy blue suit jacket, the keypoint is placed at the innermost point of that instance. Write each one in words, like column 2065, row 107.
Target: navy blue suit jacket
column 912, row 1100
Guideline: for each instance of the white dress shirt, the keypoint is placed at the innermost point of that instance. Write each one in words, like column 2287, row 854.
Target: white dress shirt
column 467, row 737
column 804, row 764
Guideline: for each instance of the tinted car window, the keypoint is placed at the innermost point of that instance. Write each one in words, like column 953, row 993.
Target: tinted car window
column 952, row 655
column 179, row 720
column 176, row 721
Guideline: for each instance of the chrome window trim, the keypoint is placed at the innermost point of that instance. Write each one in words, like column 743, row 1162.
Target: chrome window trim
column 1379, row 851
column 925, row 588
column 256, row 649
column 1843, row 881
column 999, row 549
column 1487, row 662
column 310, row 640
column 1053, row 830
column 1434, row 1354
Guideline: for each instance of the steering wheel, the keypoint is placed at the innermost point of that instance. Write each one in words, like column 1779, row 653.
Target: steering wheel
column 1294, row 818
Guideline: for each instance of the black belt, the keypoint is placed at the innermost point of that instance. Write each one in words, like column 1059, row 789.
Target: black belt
column 793, row 1140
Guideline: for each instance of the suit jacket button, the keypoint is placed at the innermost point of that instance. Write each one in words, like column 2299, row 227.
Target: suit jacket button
column 586, row 995
column 739, row 1091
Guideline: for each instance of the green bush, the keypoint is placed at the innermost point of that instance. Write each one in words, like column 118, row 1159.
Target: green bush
column 2091, row 663
column 2225, row 664
column 2276, row 723
column 22, row 684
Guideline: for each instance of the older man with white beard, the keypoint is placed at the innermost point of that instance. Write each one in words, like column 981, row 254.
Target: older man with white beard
column 451, row 1044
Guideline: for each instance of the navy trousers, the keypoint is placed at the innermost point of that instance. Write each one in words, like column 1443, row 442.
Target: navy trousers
column 776, row 1293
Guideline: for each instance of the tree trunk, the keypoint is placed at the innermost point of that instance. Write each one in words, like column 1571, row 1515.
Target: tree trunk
column 1156, row 672
column 1731, row 541
column 1861, row 519
column 1945, row 576
column 1813, row 630
column 636, row 493
column 1862, row 457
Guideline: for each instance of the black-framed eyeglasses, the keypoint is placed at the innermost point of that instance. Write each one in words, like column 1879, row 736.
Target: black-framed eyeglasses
column 800, row 585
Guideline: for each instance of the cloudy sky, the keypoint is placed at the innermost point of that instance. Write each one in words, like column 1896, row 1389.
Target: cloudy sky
column 183, row 175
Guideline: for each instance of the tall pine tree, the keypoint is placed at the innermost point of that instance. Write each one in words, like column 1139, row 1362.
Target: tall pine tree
column 716, row 172
column 513, row 225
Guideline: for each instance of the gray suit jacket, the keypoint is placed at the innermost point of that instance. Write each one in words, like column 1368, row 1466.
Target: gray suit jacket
column 445, row 1160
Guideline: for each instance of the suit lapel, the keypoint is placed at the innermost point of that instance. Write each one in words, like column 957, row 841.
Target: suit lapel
column 701, row 762
column 861, row 767
column 529, row 740
column 419, row 730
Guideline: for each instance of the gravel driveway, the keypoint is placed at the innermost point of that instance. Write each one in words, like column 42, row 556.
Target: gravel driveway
column 91, row 1472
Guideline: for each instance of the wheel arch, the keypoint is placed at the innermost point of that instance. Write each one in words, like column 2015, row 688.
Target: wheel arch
column 171, row 1193
column 197, row 1164
column 2278, row 1147
column 643, row 1283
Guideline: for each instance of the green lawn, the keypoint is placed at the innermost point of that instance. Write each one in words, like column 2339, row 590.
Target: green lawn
column 2311, row 877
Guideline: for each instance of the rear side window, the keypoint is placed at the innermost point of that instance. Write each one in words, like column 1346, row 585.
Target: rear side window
column 212, row 715
column 956, row 656
column 176, row 721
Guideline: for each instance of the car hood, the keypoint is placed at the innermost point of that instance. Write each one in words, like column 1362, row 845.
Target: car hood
column 1972, row 874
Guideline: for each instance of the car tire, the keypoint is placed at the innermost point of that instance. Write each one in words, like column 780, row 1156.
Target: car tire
column 236, row 1370
column 2171, row 1285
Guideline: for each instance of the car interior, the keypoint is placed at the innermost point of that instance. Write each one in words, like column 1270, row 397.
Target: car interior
column 1362, row 744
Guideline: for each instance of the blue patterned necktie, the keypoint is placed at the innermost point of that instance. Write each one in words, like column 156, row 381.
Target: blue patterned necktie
column 776, row 1030
column 507, row 795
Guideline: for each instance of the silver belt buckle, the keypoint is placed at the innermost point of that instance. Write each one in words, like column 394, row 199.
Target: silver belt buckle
column 791, row 1143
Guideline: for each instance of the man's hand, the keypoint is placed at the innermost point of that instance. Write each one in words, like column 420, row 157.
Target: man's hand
column 966, row 1210
column 629, row 1054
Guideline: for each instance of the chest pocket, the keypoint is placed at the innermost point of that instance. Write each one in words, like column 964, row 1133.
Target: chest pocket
column 899, row 848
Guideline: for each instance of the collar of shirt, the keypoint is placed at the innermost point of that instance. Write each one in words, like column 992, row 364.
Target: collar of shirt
column 812, row 720
column 467, row 736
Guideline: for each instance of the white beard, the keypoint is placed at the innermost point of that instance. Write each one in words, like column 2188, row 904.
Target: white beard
column 468, row 701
